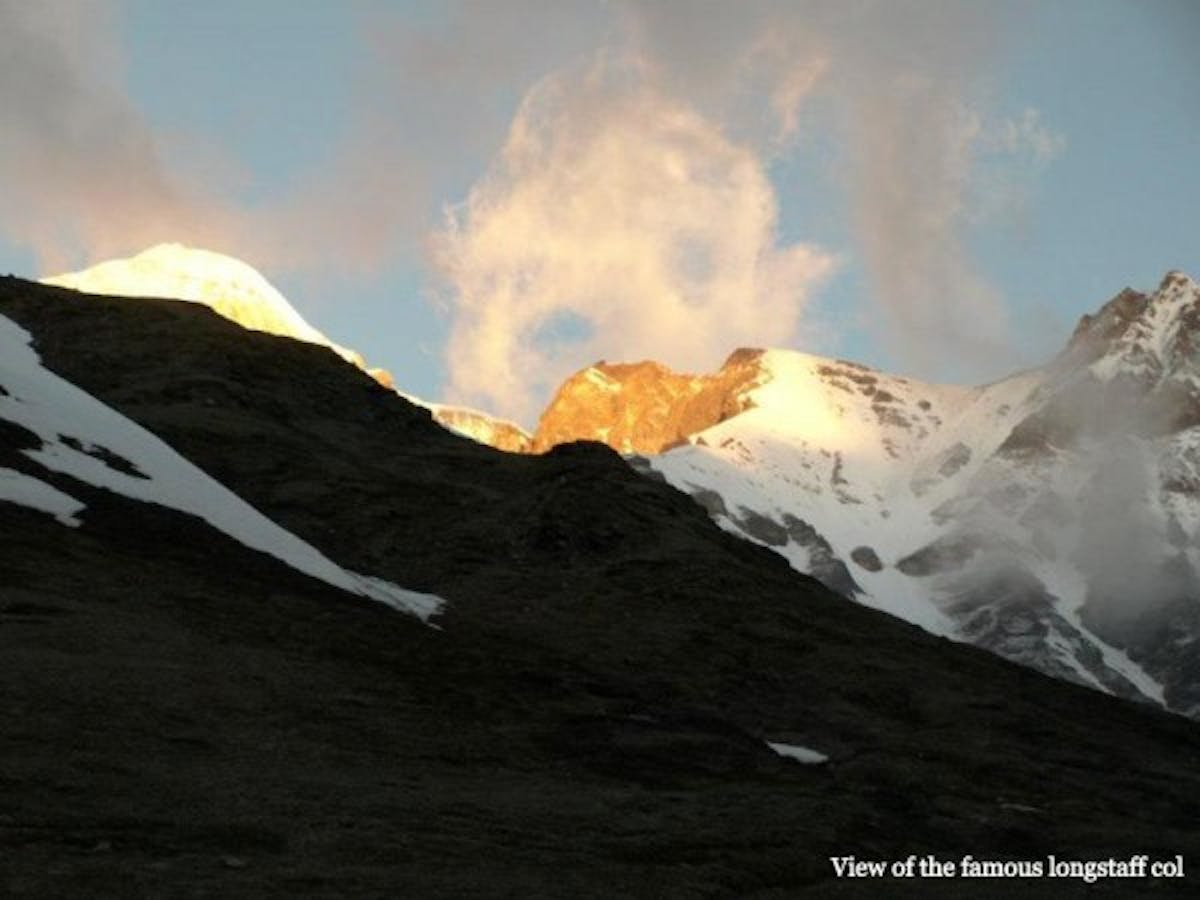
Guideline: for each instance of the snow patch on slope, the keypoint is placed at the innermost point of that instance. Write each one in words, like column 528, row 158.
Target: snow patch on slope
column 477, row 425
column 838, row 446
column 25, row 490
column 805, row 755
column 70, row 423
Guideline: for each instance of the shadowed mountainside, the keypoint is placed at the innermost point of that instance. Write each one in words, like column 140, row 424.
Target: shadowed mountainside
column 191, row 718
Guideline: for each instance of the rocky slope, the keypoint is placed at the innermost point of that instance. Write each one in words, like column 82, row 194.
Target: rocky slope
column 592, row 716
column 1050, row 517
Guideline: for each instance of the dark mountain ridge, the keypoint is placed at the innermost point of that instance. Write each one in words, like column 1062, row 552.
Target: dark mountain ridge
column 589, row 718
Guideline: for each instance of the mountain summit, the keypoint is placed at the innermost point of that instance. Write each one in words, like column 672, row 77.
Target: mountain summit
column 1142, row 336
column 229, row 286
column 644, row 407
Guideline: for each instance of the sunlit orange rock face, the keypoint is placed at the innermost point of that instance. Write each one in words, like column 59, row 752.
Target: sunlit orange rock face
column 645, row 407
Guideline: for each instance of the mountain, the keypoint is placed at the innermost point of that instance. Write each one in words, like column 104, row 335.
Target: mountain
column 1050, row 517
column 940, row 504
column 602, row 693
column 953, row 508
column 644, row 407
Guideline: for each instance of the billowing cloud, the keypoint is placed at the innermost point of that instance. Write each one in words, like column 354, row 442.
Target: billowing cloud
column 679, row 112
column 87, row 176
column 79, row 167
column 921, row 160
column 616, row 220
column 912, row 154
column 925, row 168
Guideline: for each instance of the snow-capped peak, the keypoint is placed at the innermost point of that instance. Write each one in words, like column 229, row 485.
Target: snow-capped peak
column 229, row 286
column 1144, row 336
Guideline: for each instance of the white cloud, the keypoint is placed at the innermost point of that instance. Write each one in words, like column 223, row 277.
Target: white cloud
column 913, row 148
column 921, row 160
column 1029, row 135
column 677, row 128
column 80, row 168
column 629, row 215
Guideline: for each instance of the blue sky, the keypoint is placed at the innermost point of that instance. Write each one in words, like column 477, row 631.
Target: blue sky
column 1073, row 131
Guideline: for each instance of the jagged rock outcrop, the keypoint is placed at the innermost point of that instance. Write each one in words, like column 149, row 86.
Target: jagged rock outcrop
column 644, row 407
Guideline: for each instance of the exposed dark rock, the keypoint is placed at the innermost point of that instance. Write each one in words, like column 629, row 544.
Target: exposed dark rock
column 1011, row 614
column 945, row 465
column 713, row 503
column 1094, row 333
column 943, row 555
column 642, row 466
column 867, row 558
column 823, row 563
column 762, row 527
column 114, row 461
column 952, row 459
column 888, row 415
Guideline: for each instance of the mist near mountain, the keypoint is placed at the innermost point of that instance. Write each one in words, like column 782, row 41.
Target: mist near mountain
column 1051, row 517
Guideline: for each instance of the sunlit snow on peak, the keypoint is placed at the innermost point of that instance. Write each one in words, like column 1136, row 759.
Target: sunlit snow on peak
column 229, row 286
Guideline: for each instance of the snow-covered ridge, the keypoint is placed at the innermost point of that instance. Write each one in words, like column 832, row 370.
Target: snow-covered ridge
column 1052, row 517
column 89, row 441
column 1146, row 336
column 832, row 460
